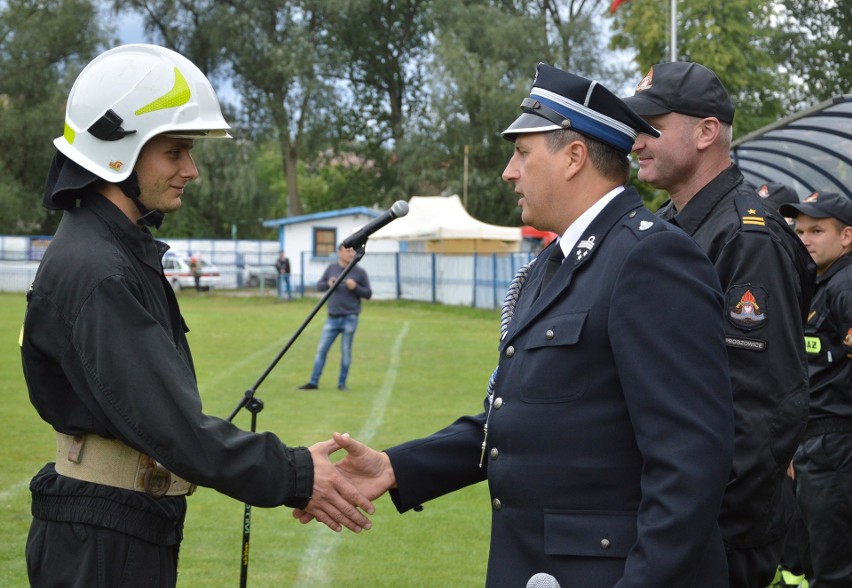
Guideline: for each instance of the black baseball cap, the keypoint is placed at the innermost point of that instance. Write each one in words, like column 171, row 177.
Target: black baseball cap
column 562, row 100
column 822, row 205
column 684, row 87
column 776, row 194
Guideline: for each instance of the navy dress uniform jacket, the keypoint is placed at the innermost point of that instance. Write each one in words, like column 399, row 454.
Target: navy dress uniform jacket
column 611, row 433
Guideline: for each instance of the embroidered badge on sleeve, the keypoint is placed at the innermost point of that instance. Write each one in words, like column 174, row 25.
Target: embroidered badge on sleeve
column 746, row 307
column 847, row 341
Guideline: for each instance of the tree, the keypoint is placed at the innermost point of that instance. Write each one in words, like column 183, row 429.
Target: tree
column 485, row 59
column 273, row 48
column 43, row 45
column 734, row 41
column 816, row 47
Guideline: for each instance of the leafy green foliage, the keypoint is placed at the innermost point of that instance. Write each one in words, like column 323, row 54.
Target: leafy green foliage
column 43, row 45
column 733, row 41
column 363, row 102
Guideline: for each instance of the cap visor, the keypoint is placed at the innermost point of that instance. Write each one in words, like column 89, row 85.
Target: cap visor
column 792, row 210
column 529, row 123
column 644, row 106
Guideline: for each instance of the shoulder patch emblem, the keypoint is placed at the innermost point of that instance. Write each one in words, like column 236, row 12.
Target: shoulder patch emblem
column 847, row 340
column 746, row 307
column 645, row 225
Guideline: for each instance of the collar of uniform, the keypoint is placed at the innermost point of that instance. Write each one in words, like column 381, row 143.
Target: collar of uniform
column 841, row 262
column 702, row 204
column 137, row 239
column 568, row 241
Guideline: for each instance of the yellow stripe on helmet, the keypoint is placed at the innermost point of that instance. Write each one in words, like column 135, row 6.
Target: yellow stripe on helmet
column 177, row 96
column 69, row 134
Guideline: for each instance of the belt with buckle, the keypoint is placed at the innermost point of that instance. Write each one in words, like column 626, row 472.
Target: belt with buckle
column 110, row 462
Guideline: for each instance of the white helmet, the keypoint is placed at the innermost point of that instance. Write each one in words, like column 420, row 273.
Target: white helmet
column 126, row 96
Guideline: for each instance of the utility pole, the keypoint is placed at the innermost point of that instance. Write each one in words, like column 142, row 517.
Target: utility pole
column 464, row 189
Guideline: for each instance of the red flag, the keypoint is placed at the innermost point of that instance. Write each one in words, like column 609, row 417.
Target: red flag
column 615, row 4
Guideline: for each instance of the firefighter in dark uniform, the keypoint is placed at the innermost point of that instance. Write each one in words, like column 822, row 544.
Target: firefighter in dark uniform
column 767, row 276
column 608, row 431
column 823, row 462
column 105, row 353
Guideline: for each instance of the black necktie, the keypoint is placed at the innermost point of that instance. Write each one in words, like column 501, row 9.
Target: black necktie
column 554, row 262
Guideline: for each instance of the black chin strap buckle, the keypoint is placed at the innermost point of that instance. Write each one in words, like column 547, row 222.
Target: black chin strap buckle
column 108, row 127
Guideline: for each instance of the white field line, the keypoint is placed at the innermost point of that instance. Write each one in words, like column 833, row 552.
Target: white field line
column 14, row 490
column 313, row 567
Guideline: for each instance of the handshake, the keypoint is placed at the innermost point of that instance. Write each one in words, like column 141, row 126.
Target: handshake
column 342, row 488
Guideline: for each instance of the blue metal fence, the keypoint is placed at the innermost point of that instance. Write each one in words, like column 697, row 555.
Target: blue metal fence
column 477, row 280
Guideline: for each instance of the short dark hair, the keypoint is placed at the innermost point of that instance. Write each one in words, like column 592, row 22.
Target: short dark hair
column 611, row 163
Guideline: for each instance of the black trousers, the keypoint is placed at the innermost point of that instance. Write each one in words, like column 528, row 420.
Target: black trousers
column 753, row 567
column 824, row 490
column 75, row 555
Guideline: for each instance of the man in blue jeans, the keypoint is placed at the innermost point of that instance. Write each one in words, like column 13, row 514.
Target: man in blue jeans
column 344, row 305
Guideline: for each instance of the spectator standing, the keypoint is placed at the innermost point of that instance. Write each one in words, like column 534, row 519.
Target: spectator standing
column 823, row 462
column 195, row 268
column 282, row 267
column 344, row 307
column 767, row 276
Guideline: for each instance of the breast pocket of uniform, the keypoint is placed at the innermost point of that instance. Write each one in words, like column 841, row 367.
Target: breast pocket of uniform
column 589, row 533
column 551, row 352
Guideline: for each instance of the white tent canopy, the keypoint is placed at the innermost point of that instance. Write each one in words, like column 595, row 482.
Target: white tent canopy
column 442, row 218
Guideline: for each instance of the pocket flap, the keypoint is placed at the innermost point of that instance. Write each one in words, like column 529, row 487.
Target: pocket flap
column 563, row 329
column 589, row 533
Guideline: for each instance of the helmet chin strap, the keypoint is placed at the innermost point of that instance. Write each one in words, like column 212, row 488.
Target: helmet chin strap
column 149, row 218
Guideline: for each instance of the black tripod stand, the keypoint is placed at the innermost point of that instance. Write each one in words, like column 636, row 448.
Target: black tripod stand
column 254, row 405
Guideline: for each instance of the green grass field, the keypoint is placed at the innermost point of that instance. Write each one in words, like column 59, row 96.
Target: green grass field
column 416, row 367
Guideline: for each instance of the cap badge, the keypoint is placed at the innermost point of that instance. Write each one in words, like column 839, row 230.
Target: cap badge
column 746, row 312
column 584, row 247
column 646, row 82
column 116, row 165
column 812, row 198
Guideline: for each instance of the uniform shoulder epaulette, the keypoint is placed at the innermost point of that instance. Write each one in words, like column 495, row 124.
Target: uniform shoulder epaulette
column 751, row 212
column 644, row 224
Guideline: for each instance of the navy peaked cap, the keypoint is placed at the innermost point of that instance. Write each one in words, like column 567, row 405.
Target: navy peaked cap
column 562, row 100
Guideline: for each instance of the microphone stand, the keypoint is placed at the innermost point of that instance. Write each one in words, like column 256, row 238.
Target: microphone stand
column 254, row 405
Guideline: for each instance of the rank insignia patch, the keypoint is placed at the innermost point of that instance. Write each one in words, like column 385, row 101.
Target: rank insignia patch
column 746, row 307
column 584, row 247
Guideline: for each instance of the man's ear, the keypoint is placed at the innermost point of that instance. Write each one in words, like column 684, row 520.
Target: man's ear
column 575, row 155
column 846, row 237
column 706, row 132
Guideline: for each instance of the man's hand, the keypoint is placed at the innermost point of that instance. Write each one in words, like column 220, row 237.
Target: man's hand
column 335, row 500
column 369, row 471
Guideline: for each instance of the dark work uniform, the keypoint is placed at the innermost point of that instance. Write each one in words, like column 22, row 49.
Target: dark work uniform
column 824, row 460
column 104, row 351
column 767, row 276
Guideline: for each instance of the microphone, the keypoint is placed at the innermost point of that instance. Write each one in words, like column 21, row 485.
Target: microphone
column 355, row 240
column 542, row 580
